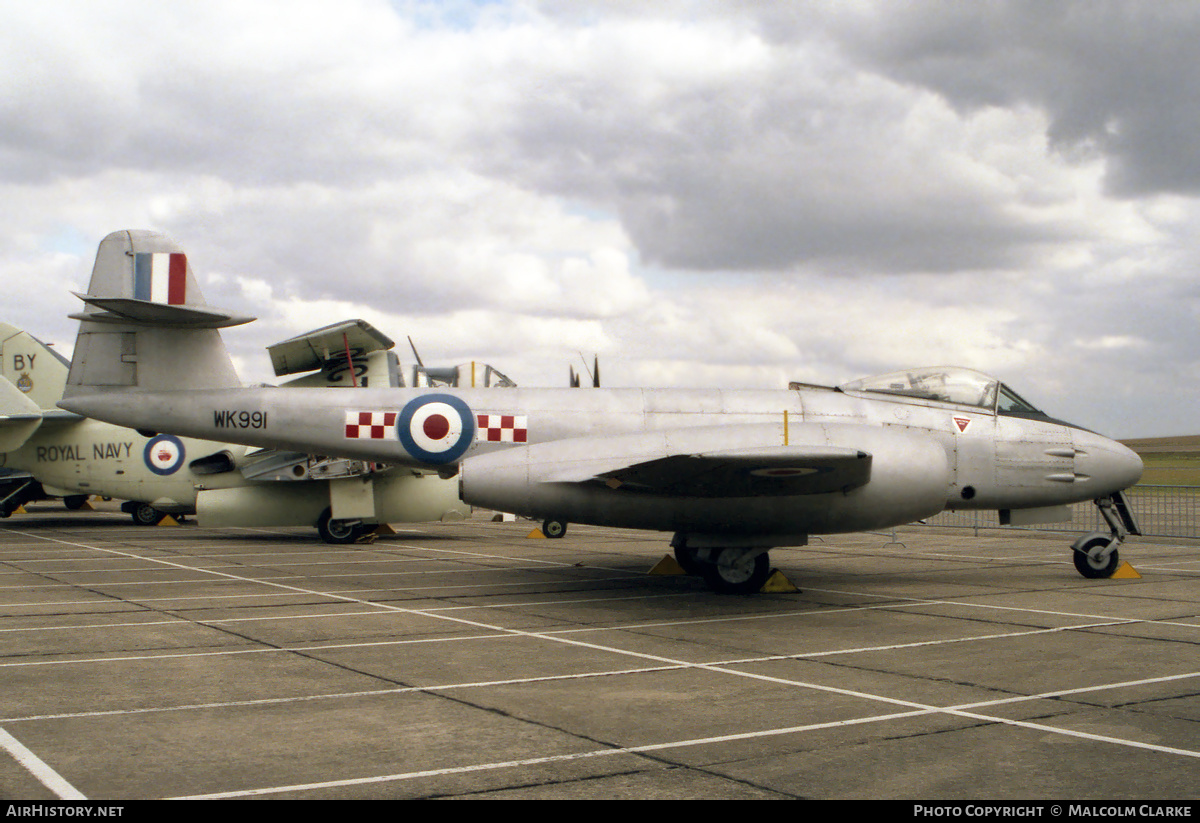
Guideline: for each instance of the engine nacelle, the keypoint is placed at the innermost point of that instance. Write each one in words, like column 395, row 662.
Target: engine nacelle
column 566, row 479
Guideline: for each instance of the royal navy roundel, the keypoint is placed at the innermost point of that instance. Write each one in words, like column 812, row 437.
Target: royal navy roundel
column 436, row 428
column 164, row 454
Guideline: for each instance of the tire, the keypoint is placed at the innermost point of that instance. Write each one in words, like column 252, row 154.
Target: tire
column 338, row 532
column 75, row 502
column 144, row 514
column 725, row 578
column 554, row 528
column 1088, row 567
column 686, row 558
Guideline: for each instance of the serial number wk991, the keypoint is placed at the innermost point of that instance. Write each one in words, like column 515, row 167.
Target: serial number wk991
column 228, row 419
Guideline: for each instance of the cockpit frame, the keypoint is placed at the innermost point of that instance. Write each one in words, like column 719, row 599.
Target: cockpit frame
column 947, row 384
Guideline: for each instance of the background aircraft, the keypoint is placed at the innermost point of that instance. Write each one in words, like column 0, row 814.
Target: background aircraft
column 730, row 473
column 65, row 455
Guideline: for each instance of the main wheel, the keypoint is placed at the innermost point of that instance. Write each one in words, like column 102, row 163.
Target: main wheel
column 1088, row 567
column 74, row 502
column 686, row 558
column 727, row 576
column 554, row 528
column 338, row 531
column 144, row 514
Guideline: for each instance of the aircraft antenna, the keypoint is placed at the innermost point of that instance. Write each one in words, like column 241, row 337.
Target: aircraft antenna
column 593, row 372
column 414, row 348
column 350, row 361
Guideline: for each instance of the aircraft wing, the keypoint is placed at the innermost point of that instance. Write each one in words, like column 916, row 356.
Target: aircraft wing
column 704, row 462
column 309, row 351
column 752, row 472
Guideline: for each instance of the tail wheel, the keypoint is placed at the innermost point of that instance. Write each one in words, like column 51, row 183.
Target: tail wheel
column 1089, row 566
column 554, row 528
column 731, row 573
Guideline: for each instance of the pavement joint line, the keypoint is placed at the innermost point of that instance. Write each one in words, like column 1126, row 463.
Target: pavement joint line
column 265, row 578
column 917, row 707
column 967, row 604
column 607, row 673
column 500, row 633
column 376, row 612
column 297, row 591
column 678, row 744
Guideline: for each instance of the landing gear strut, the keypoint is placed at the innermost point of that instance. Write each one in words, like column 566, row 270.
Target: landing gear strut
column 1096, row 554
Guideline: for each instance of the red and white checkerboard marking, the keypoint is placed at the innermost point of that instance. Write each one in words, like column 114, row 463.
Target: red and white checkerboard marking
column 361, row 425
column 502, row 428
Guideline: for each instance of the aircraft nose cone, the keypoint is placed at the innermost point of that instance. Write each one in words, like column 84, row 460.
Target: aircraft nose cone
column 1109, row 465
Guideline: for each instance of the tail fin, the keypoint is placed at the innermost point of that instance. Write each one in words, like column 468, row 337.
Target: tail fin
column 147, row 326
column 33, row 367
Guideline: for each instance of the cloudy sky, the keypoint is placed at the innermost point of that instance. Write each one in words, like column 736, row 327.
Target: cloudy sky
column 702, row 193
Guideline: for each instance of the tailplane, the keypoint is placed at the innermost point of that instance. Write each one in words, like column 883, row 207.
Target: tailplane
column 147, row 326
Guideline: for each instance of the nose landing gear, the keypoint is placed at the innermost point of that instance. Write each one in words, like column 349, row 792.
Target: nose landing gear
column 1096, row 554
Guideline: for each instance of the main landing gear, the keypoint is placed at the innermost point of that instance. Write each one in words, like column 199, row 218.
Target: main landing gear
column 1096, row 554
column 143, row 514
column 726, row 569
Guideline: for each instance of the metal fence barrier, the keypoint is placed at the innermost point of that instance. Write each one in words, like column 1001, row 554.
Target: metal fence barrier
column 1161, row 511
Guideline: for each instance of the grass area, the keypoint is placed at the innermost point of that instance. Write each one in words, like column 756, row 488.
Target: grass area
column 1171, row 470
column 1169, row 461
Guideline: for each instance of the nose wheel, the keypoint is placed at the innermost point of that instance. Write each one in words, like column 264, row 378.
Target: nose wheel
column 1094, row 559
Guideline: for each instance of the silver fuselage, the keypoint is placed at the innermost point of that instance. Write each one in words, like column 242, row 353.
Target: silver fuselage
column 928, row 455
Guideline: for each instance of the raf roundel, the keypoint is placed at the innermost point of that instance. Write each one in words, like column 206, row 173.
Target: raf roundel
column 436, row 428
column 164, row 454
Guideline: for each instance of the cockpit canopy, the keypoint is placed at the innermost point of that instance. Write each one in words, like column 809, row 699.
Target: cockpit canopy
column 947, row 384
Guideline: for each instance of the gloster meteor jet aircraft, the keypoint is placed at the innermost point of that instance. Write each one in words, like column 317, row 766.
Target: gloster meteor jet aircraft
column 731, row 474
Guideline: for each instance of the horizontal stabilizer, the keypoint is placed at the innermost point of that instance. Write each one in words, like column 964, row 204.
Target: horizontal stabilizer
column 310, row 351
column 19, row 417
column 131, row 311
